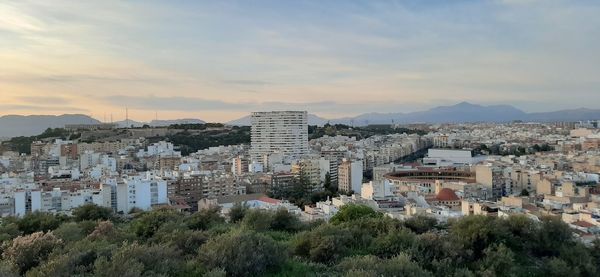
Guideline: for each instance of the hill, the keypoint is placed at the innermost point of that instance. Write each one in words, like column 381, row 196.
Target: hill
column 20, row 125
column 157, row 123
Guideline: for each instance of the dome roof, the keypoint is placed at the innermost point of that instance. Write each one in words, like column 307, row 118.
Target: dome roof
column 447, row 194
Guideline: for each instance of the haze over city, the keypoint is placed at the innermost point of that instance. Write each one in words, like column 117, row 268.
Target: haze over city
column 219, row 60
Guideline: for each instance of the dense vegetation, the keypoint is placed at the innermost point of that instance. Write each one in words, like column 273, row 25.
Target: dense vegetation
column 190, row 142
column 196, row 126
column 213, row 134
column 23, row 144
column 357, row 242
column 358, row 132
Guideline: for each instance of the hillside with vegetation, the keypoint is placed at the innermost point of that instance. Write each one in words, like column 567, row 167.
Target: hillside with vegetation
column 356, row 242
column 22, row 144
column 360, row 132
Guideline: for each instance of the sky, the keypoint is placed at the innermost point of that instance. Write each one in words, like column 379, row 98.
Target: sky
column 220, row 60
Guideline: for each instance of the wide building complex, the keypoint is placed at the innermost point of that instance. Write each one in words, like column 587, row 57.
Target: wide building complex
column 285, row 132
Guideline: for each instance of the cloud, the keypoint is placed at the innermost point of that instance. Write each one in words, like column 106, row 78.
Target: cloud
column 336, row 57
column 38, row 108
column 157, row 103
column 45, row 100
column 72, row 78
column 247, row 82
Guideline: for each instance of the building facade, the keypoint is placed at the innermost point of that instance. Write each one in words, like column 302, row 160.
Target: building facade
column 280, row 131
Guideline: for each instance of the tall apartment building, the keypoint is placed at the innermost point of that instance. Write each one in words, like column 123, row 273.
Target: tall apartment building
column 491, row 177
column 309, row 169
column 350, row 174
column 279, row 131
column 189, row 188
column 239, row 166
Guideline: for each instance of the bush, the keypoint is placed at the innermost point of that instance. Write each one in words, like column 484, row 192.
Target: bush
column 69, row 232
column 284, row 221
column 325, row 244
column 39, row 222
column 400, row 265
column 237, row 212
column 77, row 260
column 350, row 212
column 92, row 212
column 258, row 220
column 420, row 224
column 242, row 253
column 204, row 219
column 29, row 251
column 148, row 223
column 140, row 260
column 393, row 243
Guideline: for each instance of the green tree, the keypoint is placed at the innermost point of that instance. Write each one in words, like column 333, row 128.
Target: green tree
column 8, row 269
column 552, row 234
column 556, row 267
column 8, row 230
column 393, row 243
column 400, row 265
column 258, row 220
column 75, row 260
column 92, row 212
column 140, row 260
column 237, row 212
column 499, row 261
column 325, row 244
column 148, row 223
column 69, row 232
column 242, row 253
column 204, row 219
column 420, row 223
column 284, row 221
column 476, row 233
column 351, row 212
column 39, row 222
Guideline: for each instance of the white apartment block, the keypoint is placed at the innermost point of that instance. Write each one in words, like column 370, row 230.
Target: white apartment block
column 279, row 131
column 140, row 192
column 21, row 202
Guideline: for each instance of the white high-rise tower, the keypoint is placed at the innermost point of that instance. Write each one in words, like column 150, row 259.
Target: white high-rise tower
column 280, row 131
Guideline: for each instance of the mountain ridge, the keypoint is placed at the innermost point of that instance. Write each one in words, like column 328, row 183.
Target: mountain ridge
column 462, row 112
column 30, row 125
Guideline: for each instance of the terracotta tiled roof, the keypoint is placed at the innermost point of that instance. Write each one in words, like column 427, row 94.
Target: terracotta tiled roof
column 447, row 194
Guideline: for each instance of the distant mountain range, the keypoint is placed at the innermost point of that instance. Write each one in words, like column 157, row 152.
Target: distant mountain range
column 31, row 125
column 459, row 113
column 18, row 125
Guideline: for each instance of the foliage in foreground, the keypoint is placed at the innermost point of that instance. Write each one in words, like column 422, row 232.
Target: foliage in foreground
column 358, row 242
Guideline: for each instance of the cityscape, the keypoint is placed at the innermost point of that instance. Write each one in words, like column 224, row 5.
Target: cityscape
column 325, row 178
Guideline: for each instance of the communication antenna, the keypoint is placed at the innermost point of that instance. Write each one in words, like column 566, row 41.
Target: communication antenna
column 126, row 118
